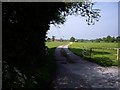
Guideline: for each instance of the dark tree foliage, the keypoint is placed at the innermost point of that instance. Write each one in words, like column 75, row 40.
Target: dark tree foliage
column 53, row 38
column 118, row 39
column 72, row 39
column 24, row 32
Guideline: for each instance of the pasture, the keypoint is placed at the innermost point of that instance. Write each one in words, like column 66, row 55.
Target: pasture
column 55, row 44
column 104, row 54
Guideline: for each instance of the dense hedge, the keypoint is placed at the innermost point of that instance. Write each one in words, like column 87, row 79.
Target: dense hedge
column 24, row 32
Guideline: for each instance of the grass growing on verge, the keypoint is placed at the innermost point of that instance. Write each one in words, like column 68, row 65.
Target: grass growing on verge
column 41, row 76
column 35, row 76
column 102, row 53
column 47, row 71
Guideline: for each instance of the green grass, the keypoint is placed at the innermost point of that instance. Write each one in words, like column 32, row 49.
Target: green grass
column 95, row 45
column 102, row 53
column 50, row 66
column 55, row 44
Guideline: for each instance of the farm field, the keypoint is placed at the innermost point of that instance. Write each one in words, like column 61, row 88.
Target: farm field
column 55, row 44
column 104, row 54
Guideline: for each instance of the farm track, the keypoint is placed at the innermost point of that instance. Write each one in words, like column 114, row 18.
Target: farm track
column 82, row 74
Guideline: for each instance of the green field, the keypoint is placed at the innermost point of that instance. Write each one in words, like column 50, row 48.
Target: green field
column 55, row 44
column 104, row 54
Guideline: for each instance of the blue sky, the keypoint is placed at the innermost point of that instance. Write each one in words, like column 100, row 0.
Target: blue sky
column 77, row 27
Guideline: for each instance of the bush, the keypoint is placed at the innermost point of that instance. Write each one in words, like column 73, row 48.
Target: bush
column 34, row 77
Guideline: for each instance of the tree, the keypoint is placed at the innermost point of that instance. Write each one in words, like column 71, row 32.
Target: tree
column 113, row 39
column 118, row 39
column 72, row 39
column 109, row 38
column 82, row 40
column 53, row 38
column 24, row 32
column 98, row 40
column 61, row 39
column 48, row 39
column 104, row 39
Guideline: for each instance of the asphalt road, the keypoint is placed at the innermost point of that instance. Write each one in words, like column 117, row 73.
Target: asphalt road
column 82, row 74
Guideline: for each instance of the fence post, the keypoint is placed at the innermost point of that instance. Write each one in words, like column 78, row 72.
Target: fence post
column 118, row 53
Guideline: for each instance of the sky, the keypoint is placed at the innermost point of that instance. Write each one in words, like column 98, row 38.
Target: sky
column 77, row 27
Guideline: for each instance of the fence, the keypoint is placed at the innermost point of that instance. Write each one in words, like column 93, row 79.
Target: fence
column 89, row 52
column 118, row 53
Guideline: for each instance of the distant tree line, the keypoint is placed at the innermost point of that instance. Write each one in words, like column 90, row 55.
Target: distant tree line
column 73, row 39
column 104, row 39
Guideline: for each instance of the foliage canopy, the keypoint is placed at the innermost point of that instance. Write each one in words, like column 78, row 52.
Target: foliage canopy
column 24, row 32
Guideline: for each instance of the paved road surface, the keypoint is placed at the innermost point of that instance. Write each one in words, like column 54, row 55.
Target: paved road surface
column 82, row 74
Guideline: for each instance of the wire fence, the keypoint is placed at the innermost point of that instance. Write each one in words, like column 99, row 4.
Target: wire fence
column 102, row 56
column 90, row 52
